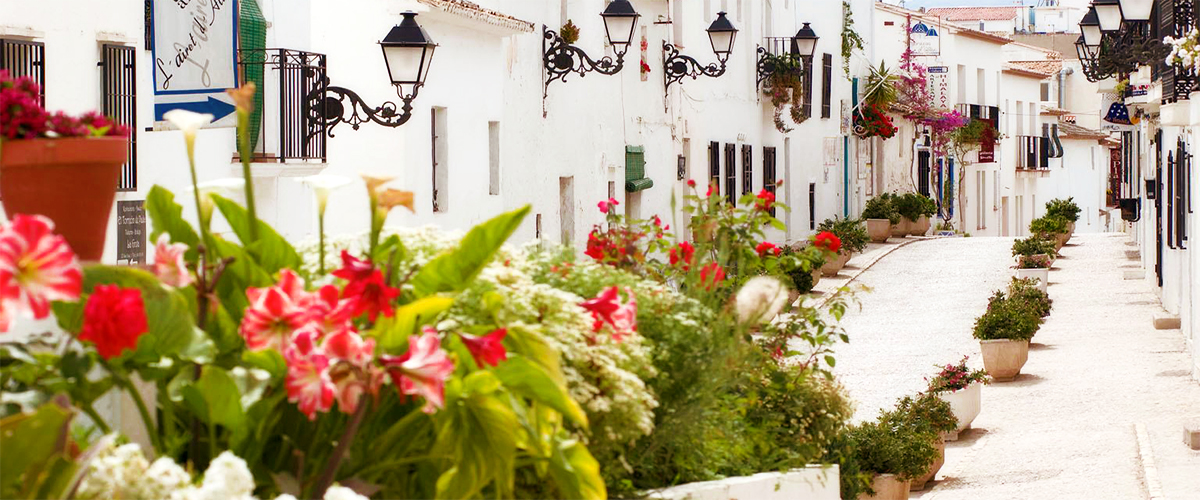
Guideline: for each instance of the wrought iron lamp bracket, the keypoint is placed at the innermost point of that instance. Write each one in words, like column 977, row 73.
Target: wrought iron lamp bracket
column 764, row 66
column 561, row 59
column 1122, row 52
column 676, row 66
column 335, row 105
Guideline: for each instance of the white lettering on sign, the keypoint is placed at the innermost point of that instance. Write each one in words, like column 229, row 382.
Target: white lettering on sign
column 194, row 46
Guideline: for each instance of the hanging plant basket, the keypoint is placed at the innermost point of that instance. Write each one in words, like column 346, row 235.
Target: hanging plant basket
column 870, row 121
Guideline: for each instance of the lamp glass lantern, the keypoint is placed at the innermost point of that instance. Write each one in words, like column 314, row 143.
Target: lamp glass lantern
column 1137, row 10
column 620, row 21
column 1090, row 27
column 721, row 34
column 408, row 53
column 1109, row 14
column 804, row 44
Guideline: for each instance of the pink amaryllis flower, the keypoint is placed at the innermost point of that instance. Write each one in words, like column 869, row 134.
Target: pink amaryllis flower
column 308, row 382
column 624, row 319
column 488, row 349
column 36, row 267
column 328, row 311
column 354, row 269
column 114, row 318
column 271, row 318
column 422, row 370
column 352, row 372
column 168, row 262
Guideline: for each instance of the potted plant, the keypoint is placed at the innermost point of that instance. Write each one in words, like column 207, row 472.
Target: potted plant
column 59, row 166
column 1067, row 209
column 853, row 238
column 1036, row 268
column 1033, row 247
column 893, row 455
column 1027, row 291
column 1050, row 227
column 805, row 272
column 923, row 223
column 880, row 216
column 961, row 387
column 910, row 206
column 925, row 413
column 1003, row 332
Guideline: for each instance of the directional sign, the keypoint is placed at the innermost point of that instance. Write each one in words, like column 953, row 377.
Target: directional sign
column 195, row 56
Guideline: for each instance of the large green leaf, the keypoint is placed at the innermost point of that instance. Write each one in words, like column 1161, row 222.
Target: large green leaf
column 393, row 333
column 532, row 346
column 166, row 216
column 576, row 472
column 241, row 273
column 215, row 398
column 453, row 271
column 478, row 430
column 271, row 250
column 28, row 442
column 526, row 378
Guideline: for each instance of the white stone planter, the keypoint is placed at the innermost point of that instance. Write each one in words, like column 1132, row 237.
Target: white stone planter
column 1004, row 358
column 815, row 482
column 1042, row 275
column 879, row 230
column 966, row 404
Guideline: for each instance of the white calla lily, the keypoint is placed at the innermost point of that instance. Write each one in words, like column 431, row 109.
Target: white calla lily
column 189, row 123
column 322, row 185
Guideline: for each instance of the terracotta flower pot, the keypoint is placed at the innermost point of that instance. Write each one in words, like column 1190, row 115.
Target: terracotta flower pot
column 72, row 181
column 833, row 266
column 920, row 227
column 1004, row 358
column 919, row 483
column 901, row 229
column 966, row 404
column 1042, row 275
column 879, row 230
column 887, row 487
column 1070, row 230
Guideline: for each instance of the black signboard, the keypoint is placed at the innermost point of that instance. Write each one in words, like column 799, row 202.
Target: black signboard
column 131, row 231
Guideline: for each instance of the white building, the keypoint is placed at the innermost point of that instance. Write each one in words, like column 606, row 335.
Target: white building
column 1004, row 20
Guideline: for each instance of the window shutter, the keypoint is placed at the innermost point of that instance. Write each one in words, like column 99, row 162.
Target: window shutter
column 747, row 168
column 827, row 86
column 731, row 174
column 252, row 40
column 714, row 166
column 635, row 170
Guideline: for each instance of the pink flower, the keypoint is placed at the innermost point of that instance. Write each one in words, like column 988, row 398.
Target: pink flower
column 271, row 318
column 603, row 306
column 36, row 267
column 307, row 380
column 114, row 318
column 603, row 206
column 422, row 370
column 371, row 296
column 347, row 345
column 328, row 312
column 352, row 372
column 624, row 320
column 168, row 262
column 354, row 269
column 488, row 349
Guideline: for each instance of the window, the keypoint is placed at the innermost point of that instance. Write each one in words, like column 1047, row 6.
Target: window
column 923, row 172
column 826, row 86
column 981, row 87
column 1033, row 152
column 747, row 168
column 769, row 175
column 731, row 173
column 566, row 209
column 493, row 158
column 1045, row 91
column 962, row 83
column 981, row 200
column 537, row 226
column 714, row 166
column 25, row 58
column 440, row 155
column 119, row 91
column 1020, row 119
column 807, row 64
column 812, row 206
column 982, row 26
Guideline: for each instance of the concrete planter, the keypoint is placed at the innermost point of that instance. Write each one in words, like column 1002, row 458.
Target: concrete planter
column 879, row 230
column 1042, row 275
column 920, row 227
column 1070, row 230
column 901, row 229
column 816, row 274
column 1039, row 257
column 1004, row 358
column 887, row 487
column 966, row 404
column 814, row 482
column 834, row 266
column 919, row 483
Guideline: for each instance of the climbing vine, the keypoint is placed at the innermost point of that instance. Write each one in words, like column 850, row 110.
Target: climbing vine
column 850, row 38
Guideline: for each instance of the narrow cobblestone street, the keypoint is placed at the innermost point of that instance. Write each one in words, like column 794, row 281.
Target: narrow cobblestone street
column 1067, row 427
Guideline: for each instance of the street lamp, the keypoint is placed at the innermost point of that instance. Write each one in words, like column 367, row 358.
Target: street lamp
column 1090, row 27
column 407, row 55
column 721, row 35
column 804, row 44
column 1109, row 14
column 561, row 58
column 1137, row 10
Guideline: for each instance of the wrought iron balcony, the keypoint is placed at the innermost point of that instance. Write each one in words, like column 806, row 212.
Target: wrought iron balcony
column 291, row 121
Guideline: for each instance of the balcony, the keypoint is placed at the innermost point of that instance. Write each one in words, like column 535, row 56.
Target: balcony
column 289, row 126
column 1033, row 155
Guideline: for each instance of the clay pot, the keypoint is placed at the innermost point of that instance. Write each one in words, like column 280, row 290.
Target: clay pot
column 966, row 404
column 920, row 227
column 887, row 487
column 879, row 230
column 918, row 484
column 1042, row 275
column 901, row 229
column 1004, row 358
column 833, row 266
column 71, row 181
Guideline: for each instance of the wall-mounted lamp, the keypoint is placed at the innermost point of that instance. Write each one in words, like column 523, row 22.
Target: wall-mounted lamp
column 561, row 58
column 802, row 46
column 721, row 35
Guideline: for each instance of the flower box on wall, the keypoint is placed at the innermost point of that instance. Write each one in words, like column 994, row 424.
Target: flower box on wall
column 815, row 482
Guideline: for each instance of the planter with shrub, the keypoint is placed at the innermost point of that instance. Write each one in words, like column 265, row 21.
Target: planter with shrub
column 853, row 237
column 892, row 455
column 923, row 223
column 880, row 215
column 961, row 387
column 1052, row 228
column 1066, row 209
column 1003, row 333
column 1037, row 268
column 929, row 414
column 910, row 206
column 1033, row 248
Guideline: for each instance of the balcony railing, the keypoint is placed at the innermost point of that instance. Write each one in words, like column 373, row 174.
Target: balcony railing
column 1176, row 18
column 289, row 126
column 1033, row 153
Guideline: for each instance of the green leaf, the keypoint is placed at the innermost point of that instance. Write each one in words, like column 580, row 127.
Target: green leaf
column 392, row 334
column 268, row 359
column 831, row 361
column 166, row 216
column 271, row 250
column 477, row 430
column 454, row 271
column 216, row 400
column 535, row 348
column 532, row 381
column 29, row 441
column 243, row 272
column 575, row 471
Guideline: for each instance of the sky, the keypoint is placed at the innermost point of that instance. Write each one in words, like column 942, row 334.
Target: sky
column 916, row 4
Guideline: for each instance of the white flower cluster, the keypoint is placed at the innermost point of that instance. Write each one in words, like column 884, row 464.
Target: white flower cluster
column 1185, row 51
column 123, row 472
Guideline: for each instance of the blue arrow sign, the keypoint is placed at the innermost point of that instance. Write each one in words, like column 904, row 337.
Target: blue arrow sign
column 213, row 106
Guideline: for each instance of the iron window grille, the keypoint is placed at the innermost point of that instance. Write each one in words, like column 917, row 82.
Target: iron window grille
column 1179, row 167
column 1176, row 18
column 714, row 165
column 769, row 172
column 923, row 172
column 747, row 168
column 25, row 58
column 812, row 206
column 731, row 174
column 297, row 97
column 827, row 86
column 119, row 95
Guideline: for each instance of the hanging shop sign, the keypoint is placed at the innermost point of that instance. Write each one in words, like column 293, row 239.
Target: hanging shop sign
column 924, row 40
column 1115, row 114
column 938, row 79
column 131, row 231
column 195, row 57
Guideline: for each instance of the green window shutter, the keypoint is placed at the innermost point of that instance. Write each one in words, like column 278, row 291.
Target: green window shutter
column 252, row 36
column 635, row 169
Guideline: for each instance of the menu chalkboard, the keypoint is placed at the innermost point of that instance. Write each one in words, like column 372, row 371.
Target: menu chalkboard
column 131, row 231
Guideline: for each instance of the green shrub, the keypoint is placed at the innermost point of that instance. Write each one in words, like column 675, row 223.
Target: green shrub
column 891, row 447
column 793, row 416
column 1007, row 319
column 852, row 232
column 923, row 413
column 801, row 278
column 1034, row 262
column 908, row 205
column 1066, row 209
column 928, row 206
column 881, row 207
column 1048, row 226
column 1033, row 245
column 1026, row 290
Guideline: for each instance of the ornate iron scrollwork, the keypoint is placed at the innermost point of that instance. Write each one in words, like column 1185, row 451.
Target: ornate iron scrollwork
column 676, row 66
column 1122, row 52
column 561, row 59
column 765, row 65
column 335, row 105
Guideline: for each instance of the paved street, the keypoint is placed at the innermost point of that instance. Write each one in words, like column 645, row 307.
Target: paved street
column 1067, row 427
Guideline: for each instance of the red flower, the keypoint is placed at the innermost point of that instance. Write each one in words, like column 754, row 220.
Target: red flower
column 684, row 253
column 603, row 306
column 691, row 183
column 595, row 247
column 371, row 296
column 624, row 319
column 113, row 319
column 328, row 312
column 710, row 275
column 36, row 267
column 710, row 190
column 271, row 318
column 307, row 380
column 422, row 370
column 828, row 241
column 488, row 349
column 354, row 269
column 767, row 248
column 765, row 200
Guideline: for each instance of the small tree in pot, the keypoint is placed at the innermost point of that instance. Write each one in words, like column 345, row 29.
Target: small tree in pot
column 1050, row 227
column 1003, row 333
column 880, row 215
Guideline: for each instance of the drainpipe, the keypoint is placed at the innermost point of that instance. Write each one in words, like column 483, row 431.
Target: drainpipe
column 1062, row 80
